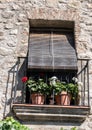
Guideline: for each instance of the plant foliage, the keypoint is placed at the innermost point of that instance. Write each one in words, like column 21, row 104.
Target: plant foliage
column 10, row 124
column 59, row 87
column 38, row 86
column 73, row 128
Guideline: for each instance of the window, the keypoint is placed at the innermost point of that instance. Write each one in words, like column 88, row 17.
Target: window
column 52, row 53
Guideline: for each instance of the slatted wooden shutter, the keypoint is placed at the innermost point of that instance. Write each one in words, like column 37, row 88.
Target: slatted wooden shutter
column 52, row 50
column 40, row 51
column 64, row 51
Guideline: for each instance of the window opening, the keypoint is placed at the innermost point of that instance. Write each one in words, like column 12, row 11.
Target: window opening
column 51, row 53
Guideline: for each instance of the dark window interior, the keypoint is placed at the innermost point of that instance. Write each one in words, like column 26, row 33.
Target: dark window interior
column 62, row 75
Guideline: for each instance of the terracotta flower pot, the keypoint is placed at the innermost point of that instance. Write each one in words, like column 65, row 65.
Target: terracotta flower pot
column 37, row 98
column 63, row 99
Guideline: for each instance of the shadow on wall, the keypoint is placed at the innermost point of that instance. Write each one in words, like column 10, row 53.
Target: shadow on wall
column 14, row 86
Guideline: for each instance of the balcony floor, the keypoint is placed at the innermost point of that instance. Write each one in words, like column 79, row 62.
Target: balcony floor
column 51, row 113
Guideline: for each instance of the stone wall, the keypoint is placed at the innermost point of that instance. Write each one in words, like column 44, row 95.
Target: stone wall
column 14, row 33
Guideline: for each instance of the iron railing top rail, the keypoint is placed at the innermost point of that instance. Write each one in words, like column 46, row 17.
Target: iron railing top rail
column 85, row 59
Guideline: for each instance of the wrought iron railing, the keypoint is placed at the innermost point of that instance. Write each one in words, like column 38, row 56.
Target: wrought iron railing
column 83, row 76
column 18, row 91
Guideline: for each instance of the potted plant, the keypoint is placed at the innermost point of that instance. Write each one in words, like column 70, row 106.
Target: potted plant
column 38, row 90
column 60, row 91
column 64, row 92
column 62, row 96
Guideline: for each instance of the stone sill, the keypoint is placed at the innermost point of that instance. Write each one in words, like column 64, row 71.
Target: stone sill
column 51, row 113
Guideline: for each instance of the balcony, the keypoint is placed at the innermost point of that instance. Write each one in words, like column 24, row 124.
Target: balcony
column 25, row 111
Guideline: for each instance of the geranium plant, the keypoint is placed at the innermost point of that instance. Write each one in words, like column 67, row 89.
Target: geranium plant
column 38, row 86
column 71, row 88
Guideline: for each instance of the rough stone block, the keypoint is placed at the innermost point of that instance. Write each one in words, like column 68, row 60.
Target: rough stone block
column 1, row 33
column 51, row 3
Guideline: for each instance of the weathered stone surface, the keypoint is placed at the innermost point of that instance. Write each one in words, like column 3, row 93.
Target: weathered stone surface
column 51, row 3
column 14, row 32
column 15, row 7
column 11, row 44
column 6, row 1
column 89, row 6
column 62, row 1
column 2, row 6
column 63, row 6
column 74, row 4
column 7, row 14
column 1, row 33
column 8, row 26
column 22, row 17
column 4, row 51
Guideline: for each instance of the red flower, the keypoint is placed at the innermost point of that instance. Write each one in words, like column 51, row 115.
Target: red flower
column 24, row 79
